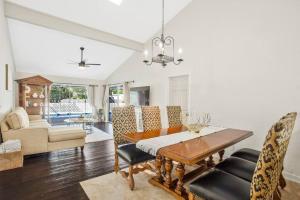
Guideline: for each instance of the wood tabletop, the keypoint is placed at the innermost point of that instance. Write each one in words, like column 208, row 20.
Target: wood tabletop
column 195, row 150
column 192, row 151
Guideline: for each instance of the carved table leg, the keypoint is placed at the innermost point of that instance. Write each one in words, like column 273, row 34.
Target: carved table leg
column 180, row 173
column 158, row 163
column 210, row 161
column 163, row 169
column 168, row 168
column 221, row 154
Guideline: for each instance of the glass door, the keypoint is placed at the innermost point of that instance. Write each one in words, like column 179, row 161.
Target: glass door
column 116, row 98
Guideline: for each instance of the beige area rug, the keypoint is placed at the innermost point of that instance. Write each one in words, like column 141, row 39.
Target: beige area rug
column 114, row 187
column 97, row 135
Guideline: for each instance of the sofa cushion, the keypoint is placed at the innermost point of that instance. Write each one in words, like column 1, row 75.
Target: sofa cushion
column 4, row 126
column 57, row 134
column 24, row 115
column 17, row 119
column 39, row 124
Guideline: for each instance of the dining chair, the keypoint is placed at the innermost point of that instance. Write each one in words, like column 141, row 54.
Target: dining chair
column 124, row 122
column 219, row 185
column 252, row 156
column 174, row 116
column 151, row 118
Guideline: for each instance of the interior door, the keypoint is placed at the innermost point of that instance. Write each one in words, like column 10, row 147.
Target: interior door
column 179, row 92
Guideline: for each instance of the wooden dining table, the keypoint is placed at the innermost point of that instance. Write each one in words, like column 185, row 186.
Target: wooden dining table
column 195, row 152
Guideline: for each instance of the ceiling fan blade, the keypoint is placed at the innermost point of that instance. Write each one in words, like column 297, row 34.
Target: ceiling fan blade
column 93, row 64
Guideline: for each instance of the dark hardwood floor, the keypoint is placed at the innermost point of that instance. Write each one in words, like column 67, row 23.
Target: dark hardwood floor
column 104, row 126
column 56, row 175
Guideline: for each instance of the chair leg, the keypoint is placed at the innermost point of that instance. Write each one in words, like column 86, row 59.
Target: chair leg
column 276, row 196
column 282, row 181
column 191, row 196
column 130, row 177
column 116, row 167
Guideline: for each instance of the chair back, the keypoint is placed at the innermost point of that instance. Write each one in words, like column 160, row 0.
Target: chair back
column 151, row 118
column 123, row 121
column 174, row 116
column 269, row 165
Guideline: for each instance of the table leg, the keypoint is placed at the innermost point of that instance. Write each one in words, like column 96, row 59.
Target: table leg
column 221, row 154
column 158, row 163
column 168, row 168
column 180, row 173
column 210, row 161
column 163, row 169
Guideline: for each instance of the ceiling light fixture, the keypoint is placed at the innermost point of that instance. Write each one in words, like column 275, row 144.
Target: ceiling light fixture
column 162, row 44
column 117, row 2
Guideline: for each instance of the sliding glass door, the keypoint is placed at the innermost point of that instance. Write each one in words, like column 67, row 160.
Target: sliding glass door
column 116, row 98
column 68, row 101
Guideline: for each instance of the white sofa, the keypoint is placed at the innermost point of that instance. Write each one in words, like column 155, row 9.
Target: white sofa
column 37, row 136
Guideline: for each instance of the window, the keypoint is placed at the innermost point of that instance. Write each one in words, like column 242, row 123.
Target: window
column 67, row 101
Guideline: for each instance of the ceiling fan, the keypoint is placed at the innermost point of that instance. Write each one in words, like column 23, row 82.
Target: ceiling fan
column 82, row 64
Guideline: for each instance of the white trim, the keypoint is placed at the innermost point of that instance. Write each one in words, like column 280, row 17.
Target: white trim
column 291, row 177
column 28, row 15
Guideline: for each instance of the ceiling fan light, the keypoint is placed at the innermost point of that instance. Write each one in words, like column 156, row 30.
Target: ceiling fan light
column 81, row 67
column 117, row 2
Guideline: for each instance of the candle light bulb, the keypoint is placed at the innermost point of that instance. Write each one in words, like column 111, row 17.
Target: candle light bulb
column 180, row 51
column 161, row 45
column 146, row 53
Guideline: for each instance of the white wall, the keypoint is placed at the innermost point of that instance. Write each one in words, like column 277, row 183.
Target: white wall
column 6, row 96
column 244, row 65
column 60, row 79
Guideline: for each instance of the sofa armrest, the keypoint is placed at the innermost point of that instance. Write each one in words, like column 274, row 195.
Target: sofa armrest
column 34, row 117
column 34, row 140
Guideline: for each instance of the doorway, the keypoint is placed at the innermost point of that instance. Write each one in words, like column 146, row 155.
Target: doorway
column 179, row 92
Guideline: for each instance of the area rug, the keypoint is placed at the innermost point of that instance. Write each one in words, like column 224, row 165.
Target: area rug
column 114, row 187
column 97, row 135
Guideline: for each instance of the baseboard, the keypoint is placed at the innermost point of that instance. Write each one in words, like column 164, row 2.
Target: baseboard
column 291, row 177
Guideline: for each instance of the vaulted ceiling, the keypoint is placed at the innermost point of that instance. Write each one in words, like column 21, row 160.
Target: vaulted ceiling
column 41, row 50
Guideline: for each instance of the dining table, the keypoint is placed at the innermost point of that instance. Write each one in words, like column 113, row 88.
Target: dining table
column 197, row 152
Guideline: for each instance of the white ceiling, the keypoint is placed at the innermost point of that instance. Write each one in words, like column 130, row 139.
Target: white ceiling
column 43, row 51
column 133, row 19
column 40, row 50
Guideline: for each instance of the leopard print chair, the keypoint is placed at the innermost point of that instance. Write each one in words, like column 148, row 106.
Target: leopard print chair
column 270, row 162
column 264, row 184
column 124, row 122
column 174, row 116
column 251, row 155
column 151, row 118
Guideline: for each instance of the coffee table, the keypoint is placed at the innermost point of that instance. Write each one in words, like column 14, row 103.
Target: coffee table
column 87, row 123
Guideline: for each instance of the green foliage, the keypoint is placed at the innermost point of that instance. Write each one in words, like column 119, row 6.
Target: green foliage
column 116, row 90
column 59, row 93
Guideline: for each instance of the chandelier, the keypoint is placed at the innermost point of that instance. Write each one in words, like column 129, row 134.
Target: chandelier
column 160, row 46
